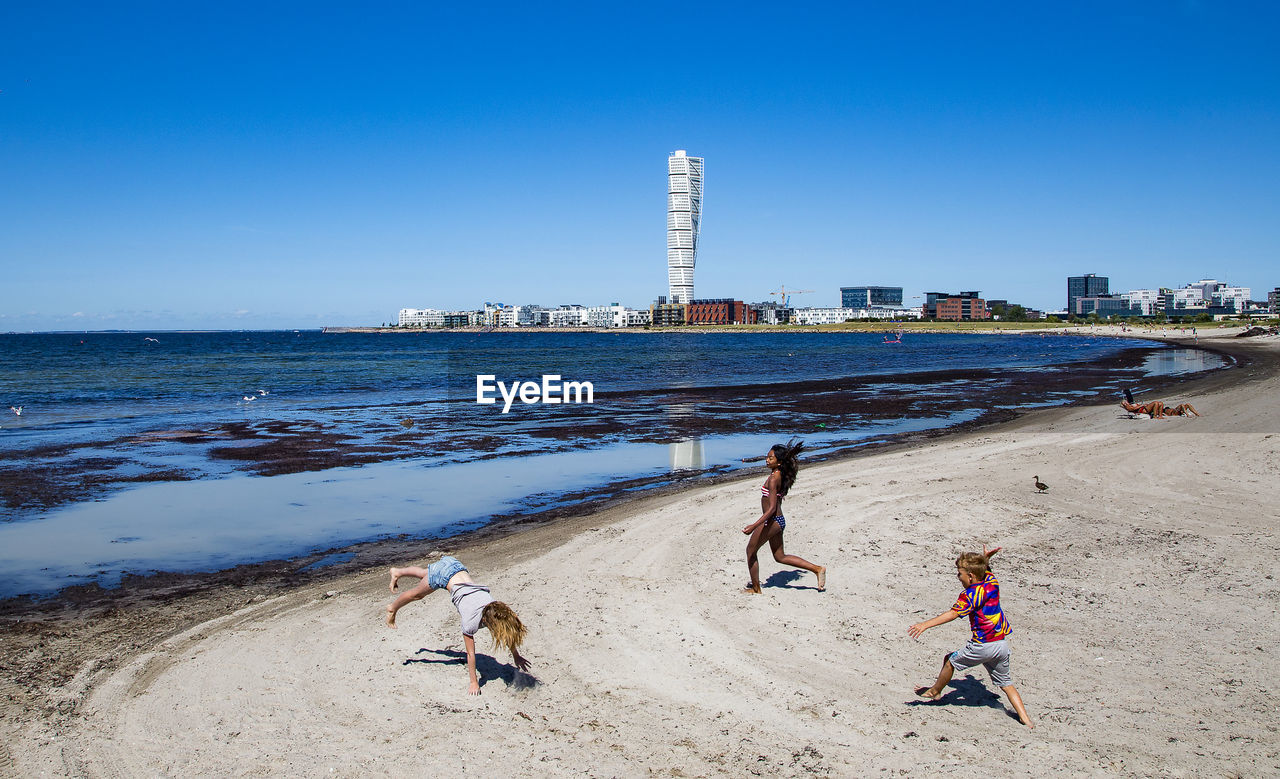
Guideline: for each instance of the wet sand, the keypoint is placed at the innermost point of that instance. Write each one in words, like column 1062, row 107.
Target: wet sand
column 1139, row 588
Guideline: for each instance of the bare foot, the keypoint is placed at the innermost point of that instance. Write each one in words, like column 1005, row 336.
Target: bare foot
column 751, row 589
column 395, row 577
column 391, row 618
column 1026, row 721
column 822, row 578
column 928, row 692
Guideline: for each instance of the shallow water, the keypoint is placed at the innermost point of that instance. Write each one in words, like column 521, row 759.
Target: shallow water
column 462, row 464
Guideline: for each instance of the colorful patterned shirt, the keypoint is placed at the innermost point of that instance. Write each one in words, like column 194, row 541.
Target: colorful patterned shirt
column 981, row 604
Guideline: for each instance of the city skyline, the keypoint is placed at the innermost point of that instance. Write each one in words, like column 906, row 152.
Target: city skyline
column 192, row 170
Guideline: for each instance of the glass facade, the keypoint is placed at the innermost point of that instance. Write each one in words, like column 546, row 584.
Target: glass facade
column 866, row 297
column 1086, row 286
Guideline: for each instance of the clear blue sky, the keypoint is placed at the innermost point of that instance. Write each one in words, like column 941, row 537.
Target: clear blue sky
column 167, row 165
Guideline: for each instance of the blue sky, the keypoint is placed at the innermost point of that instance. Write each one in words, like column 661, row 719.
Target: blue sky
column 293, row 165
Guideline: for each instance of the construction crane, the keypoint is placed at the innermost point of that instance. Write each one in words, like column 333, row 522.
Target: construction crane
column 785, row 296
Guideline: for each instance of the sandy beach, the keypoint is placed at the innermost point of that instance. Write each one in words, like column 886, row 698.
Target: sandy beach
column 1141, row 588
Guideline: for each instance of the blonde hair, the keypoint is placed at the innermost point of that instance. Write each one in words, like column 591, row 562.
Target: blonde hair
column 505, row 627
column 975, row 563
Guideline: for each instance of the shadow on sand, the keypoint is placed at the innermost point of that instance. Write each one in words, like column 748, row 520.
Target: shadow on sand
column 785, row 579
column 967, row 692
column 487, row 668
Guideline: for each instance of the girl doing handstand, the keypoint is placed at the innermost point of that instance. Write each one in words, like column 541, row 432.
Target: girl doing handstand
column 475, row 606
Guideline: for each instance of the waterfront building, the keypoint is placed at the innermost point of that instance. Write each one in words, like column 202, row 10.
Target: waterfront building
column 822, row 316
column 1104, row 306
column 664, row 314
column 866, row 297
column 420, row 317
column 963, row 308
column 1206, row 296
column 432, row 317
column 720, row 311
column 885, row 312
column 1143, row 302
column 1088, row 285
column 1273, row 300
column 771, row 313
column 572, row 315
column 1235, row 298
column 462, row 318
column 684, row 222
column 615, row 315
column 957, row 307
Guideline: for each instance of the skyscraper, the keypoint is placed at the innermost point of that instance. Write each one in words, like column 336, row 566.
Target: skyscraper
column 684, row 219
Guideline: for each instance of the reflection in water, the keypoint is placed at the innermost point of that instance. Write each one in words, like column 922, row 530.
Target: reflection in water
column 687, row 455
column 1174, row 362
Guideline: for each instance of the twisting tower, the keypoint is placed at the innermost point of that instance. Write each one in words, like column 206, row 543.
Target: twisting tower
column 684, row 219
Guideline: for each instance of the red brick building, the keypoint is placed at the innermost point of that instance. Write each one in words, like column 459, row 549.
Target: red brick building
column 720, row 311
column 955, row 307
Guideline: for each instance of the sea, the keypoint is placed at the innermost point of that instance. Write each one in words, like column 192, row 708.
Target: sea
column 141, row 453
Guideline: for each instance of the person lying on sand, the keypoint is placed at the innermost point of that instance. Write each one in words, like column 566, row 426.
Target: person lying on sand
column 475, row 606
column 783, row 467
column 1156, row 409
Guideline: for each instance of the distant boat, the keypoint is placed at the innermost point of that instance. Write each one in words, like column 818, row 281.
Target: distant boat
column 897, row 338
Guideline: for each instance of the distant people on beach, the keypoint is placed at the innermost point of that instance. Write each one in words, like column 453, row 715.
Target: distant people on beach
column 476, row 607
column 989, row 640
column 783, row 467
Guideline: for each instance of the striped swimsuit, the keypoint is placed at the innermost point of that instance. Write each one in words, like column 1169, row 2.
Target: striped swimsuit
column 781, row 520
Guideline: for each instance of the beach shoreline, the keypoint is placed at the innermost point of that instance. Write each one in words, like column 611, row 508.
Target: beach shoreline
column 825, row 400
column 63, row 663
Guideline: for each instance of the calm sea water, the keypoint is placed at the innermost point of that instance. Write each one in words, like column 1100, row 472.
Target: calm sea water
column 111, row 404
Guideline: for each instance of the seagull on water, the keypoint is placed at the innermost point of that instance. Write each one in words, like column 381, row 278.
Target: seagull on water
column 250, row 398
column 152, row 340
column 16, row 409
column 262, row 392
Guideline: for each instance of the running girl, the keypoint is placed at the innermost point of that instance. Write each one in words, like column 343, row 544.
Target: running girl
column 782, row 474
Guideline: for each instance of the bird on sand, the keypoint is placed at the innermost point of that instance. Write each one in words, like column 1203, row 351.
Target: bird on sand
column 1040, row 486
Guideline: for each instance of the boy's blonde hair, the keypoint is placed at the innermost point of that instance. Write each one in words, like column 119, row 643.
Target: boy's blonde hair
column 975, row 563
column 505, row 627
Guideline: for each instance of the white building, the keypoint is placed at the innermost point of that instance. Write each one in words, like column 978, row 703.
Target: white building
column 420, row 317
column 1234, row 297
column 637, row 317
column 434, row 317
column 885, row 312
column 568, row 316
column 684, row 222
column 616, row 315
column 1146, row 300
column 822, row 316
column 1210, row 292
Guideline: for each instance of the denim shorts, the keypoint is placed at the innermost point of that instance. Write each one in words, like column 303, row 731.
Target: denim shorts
column 993, row 654
column 441, row 571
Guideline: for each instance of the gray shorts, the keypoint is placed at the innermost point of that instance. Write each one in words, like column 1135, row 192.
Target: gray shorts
column 994, row 655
